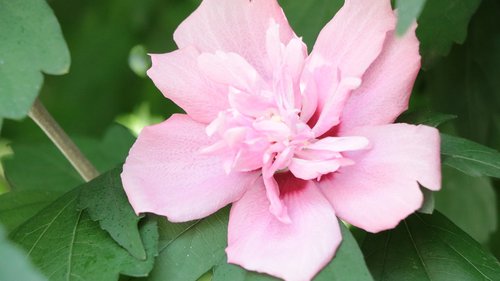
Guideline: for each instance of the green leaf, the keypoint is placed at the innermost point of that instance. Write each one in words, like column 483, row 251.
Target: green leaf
column 433, row 119
column 428, row 247
column 194, row 251
column 307, row 18
column 470, row 157
column 408, row 11
column 67, row 245
column 106, row 202
column 470, row 202
column 49, row 170
column 32, row 43
column 441, row 24
column 15, row 265
column 18, row 207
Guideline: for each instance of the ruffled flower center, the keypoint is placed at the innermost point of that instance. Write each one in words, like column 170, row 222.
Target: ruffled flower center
column 275, row 139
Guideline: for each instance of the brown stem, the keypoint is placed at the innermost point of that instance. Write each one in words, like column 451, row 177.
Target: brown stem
column 44, row 120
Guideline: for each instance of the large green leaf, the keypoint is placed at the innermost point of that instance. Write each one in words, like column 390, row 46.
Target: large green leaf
column 428, row 247
column 15, row 265
column 106, row 202
column 32, row 43
column 191, row 252
column 469, row 202
column 18, row 207
column 49, row 170
column 441, row 24
column 408, row 12
column 67, row 245
column 470, row 157
column 308, row 17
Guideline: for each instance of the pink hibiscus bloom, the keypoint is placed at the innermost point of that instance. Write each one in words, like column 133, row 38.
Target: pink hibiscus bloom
column 292, row 140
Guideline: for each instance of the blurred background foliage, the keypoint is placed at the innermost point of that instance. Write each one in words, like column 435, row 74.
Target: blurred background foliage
column 109, row 40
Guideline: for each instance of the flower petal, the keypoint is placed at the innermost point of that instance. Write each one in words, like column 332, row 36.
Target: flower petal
column 313, row 169
column 347, row 46
column 166, row 174
column 230, row 69
column 387, row 84
column 237, row 26
column 178, row 77
column 296, row 251
column 353, row 39
column 382, row 188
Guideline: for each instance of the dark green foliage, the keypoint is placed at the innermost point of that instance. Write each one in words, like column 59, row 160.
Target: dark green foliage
column 441, row 24
column 428, row 247
column 469, row 157
column 67, row 245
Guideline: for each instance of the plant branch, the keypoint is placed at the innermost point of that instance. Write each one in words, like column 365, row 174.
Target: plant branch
column 44, row 120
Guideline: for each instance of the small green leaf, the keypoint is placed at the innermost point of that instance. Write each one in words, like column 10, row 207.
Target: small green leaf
column 18, row 207
column 470, row 202
column 15, row 265
column 470, row 157
column 67, row 245
column 106, row 202
column 428, row 248
column 441, row 24
column 32, row 43
column 408, row 11
column 138, row 60
column 195, row 250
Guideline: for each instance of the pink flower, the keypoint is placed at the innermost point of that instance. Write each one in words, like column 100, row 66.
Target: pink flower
column 292, row 140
